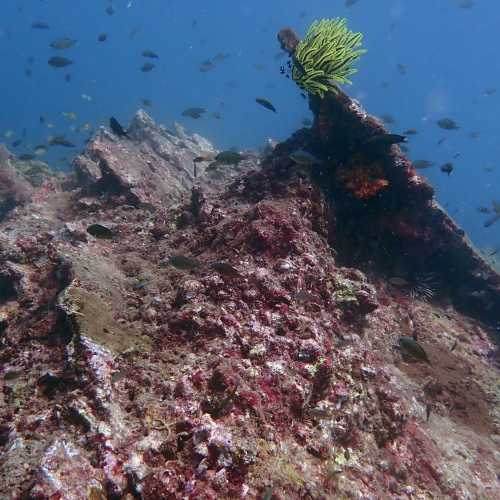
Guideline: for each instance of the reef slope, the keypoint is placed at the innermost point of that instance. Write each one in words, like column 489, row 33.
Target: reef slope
column 267, row 370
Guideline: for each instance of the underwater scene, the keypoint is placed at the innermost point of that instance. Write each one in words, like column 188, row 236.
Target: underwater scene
column 249, row 250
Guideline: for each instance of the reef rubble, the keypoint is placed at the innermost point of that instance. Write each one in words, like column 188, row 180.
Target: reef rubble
column 272, row 369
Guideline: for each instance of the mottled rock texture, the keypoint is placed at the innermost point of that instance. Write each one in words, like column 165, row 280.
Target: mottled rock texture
column 279, row 377
column 15, row 189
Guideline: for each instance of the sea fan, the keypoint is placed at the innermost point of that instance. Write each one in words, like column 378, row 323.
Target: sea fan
column 324, row 58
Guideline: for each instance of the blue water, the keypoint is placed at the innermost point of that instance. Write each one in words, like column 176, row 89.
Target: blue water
column 450, row 54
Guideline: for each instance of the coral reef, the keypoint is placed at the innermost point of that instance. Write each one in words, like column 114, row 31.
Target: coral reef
column 267, row 367
column 125, row 377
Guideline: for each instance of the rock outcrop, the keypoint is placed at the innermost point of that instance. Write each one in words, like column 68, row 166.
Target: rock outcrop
column 266, row 367
column 14, row 188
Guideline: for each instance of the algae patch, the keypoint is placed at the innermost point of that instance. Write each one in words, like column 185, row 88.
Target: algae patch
column 89, row 316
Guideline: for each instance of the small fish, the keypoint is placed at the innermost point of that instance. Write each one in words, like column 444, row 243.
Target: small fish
column 59, row 62
column 70, row 115
column 225, row 269
column 85, row 127
column 410, row 131
column 399, row 282
column 388, row 119
column 27, row 157
column 184, row 263
column 206, row 66
column 474, row 135
column 420, row 164
column 62, row 43
column 386, row 139
column 16, row 143
column 492, row 220
column 453, row 347
column 303, row 296
column 484, row 210
column 147, row 67
column 117, row 376
column 447, row 124
column 489, row 91
column 102, row 37
column 87, row 97
column 67, row 77
column 204, row 157
column 350, row 3
column 147, row 102
column 228, row 157
column 220, row 57
column 457, row 155
column 447, row 168
column 408, row 328
column 306, row 122
column 60, row 140
column 139, row 284
column 110, row 10
column 428, row 410
column 268, row 493
column 135, row 31
column 40, row 150
column 496, row 207
column 402, row 69
column 194, row 113
column 12, row 374
column 304, row 158
column 412, row 347
column 265, row 103
column 466, row 4
column 116, row 128
column 441, row 140
column 100, row 231
column 150, row 54
column 216, row 115
column 40, row 25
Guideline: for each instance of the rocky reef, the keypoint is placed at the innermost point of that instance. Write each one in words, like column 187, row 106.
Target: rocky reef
column 270, row 369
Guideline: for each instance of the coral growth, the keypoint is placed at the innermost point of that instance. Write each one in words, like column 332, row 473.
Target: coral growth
column 362, row 179
column 324, row 58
